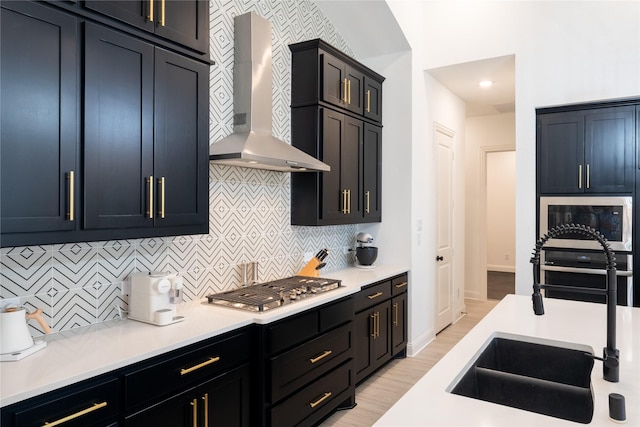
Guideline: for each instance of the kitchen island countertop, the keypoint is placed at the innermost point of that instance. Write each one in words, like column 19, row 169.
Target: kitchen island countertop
column 428, row 404
column 79, row 354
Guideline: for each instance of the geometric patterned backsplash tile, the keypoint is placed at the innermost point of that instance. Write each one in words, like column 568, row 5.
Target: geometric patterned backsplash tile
column 79, row 284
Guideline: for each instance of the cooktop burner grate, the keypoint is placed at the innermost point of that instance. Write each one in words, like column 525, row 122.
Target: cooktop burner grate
column 265, row 296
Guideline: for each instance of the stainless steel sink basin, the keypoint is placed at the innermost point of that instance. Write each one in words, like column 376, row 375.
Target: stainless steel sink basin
column 543, row 376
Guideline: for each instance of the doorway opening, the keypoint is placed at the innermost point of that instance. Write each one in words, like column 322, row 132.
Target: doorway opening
column 500, row 221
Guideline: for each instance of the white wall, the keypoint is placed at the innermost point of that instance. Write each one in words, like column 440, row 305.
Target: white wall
column 484, row 135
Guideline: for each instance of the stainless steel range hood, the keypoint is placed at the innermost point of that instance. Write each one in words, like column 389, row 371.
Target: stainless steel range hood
column 252, row 144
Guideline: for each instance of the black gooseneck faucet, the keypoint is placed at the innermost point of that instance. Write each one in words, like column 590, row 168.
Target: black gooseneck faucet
column 611, row 355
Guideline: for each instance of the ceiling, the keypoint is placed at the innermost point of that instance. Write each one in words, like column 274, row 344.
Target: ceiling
column 462, row 80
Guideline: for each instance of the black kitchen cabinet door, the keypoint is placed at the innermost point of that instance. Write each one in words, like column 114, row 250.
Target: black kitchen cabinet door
column 560, row 152
column 342, row 138
column 181, row 155
column 118, row 131
column 183, row 21
column 372, row 173
column 372, row 99
column 399, row 333
column 39, row 143
column 225, row 400
column 586, row 151
column 179, row 410
column 372, row 339
column 609, row 150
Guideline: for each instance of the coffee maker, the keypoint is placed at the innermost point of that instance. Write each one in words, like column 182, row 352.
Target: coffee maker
column 154, row 296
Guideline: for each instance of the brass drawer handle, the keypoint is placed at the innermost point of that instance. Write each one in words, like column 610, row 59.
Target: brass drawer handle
column 322, row 356
column 373, row 296
column 95, row 407
column 401, row 285
column 367, row 194
column 206, row 409
column 201, row 365
column 344, row 90
column 150, row 211
column 368, row 101
column 151, row 10
column 194, row 404
column 71, row 213
column 373, row 325
column 322, row 399
column 161, row 181
column 162, row 14
column 395, row 309
column 349, row 92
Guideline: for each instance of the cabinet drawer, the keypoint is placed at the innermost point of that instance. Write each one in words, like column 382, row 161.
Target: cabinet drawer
column 301, row 365
column 96, row 405
column 321, row 396
column 292, row 331
column 373, row 295
column 399, row 284
column 179, row 369
column 336, row 314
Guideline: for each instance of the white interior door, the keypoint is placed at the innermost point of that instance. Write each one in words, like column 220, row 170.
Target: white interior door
column 444, row 241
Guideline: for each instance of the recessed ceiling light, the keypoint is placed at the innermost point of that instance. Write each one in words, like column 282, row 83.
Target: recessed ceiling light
column 486, row 83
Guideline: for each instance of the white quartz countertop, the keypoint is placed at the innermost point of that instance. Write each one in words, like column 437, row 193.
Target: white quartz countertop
column 428, row 404
column 83, row 353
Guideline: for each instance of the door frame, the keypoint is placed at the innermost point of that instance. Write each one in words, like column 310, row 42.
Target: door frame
column 484, row 151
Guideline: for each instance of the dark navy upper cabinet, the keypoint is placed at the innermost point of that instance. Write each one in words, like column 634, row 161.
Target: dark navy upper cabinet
column 586, row 151
column 39, row 103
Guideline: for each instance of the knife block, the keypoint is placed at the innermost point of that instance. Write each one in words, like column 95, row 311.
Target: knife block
column 309, row 269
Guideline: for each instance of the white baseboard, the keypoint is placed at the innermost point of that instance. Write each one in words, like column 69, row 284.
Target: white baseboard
column 416, row 346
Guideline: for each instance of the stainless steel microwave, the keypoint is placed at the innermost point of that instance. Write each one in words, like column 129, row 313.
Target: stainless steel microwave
column 609, row 215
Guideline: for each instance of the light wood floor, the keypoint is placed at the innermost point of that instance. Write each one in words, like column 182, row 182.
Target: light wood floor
column 380, row 391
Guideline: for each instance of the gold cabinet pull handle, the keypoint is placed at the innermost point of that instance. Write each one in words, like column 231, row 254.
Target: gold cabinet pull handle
column 348, row 201
column 161, row 197
column 373, row 296
column 162, row 14
column 206, row 409
column 579, row 176
column 322, row 356
column 344, row 202
column 368, row 196
column 150, row 211
column 90, row 409
column 349, row 92
column 324, row 397
column 588, row 176
column 368, row 101
column 373, row 325
column 71, row 179
column 395, row 309
column 401, row 285
column 194, row 405
column 211, row 360
column 344, row 90
column 377, row 322
column 151, row 10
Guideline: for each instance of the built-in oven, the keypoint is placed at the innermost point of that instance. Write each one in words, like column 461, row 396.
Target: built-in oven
column 609, row 215
column 585, row 269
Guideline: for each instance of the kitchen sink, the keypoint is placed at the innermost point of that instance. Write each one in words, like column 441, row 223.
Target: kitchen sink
column 543, row 376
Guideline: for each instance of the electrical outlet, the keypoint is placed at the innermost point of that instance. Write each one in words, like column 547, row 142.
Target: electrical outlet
column 125, row 287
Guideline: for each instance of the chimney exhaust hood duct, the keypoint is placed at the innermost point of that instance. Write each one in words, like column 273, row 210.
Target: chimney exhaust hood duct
column 252, row 144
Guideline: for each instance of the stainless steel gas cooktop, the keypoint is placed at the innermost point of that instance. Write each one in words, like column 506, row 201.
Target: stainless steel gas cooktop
column 269, row 295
